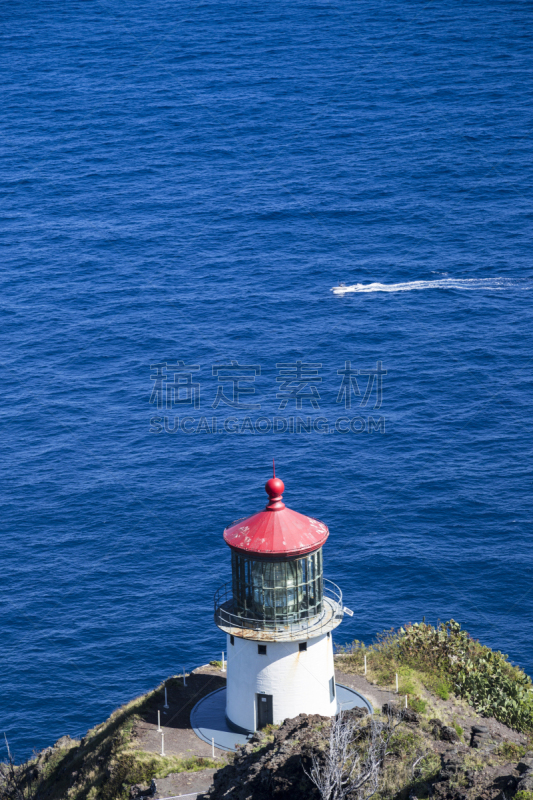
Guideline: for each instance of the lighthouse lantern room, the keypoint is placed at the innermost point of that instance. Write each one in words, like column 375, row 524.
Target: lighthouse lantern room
column 278, row 612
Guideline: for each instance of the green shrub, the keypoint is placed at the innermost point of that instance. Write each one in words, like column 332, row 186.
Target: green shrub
column 448, row 660
column 439, row 685
column 129, row 769
column 137, row 766
column 474, row 762
column 406, row 687
column 418, row 705
column 457, row 728
column 404, row 744
column 523, row 795
column 511, row 751
column 483, row 677
column 429, row 766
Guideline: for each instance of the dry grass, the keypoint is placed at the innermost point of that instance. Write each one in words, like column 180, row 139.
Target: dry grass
column 105, row 762
column 399, row 779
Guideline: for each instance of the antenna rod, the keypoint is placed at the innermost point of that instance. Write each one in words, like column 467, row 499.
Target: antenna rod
column 274, row 467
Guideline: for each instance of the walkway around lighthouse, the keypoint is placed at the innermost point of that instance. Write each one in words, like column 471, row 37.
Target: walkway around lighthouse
column 207, row 684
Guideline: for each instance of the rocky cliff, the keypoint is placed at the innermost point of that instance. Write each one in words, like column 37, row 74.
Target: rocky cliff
column 462, row 729
column 427, row 758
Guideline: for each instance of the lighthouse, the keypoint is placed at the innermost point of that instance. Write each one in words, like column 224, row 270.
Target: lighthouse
column 278, row 612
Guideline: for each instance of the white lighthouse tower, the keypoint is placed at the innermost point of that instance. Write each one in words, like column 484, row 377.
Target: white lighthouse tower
column 278, row 613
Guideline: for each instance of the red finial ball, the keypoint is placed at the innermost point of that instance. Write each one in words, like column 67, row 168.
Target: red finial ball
column 274, row 487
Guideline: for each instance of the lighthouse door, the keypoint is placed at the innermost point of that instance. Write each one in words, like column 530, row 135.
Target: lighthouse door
column 264, row 710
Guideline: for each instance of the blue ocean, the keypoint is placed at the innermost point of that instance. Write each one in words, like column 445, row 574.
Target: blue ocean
column 183, row 183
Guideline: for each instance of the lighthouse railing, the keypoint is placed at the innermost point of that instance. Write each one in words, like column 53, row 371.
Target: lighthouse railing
column 227, row 617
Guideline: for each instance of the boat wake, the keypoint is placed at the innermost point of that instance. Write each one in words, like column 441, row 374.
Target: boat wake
column 491, row 284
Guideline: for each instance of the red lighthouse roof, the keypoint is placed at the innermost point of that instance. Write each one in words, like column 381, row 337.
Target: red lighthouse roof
column 277, row 530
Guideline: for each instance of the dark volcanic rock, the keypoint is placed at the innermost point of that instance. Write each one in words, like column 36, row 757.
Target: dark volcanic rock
column 405, row 714
column 273, row 767
column 298, row 724
column 275, row 770
column 504, row 783
column 525, row 784
column 443, row 732
column 490, row 783
column 443, row 791
column 357, row 713
column 452, row 765
column 526, row 763
column 448, row 734
column 480, row 736
column 141, row 791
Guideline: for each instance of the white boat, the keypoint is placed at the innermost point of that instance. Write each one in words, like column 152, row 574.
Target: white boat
column 341, row 289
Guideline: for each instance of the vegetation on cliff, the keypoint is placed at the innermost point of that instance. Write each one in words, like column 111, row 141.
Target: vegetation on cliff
column 445, row 659
column 466, row 736
column 101, row 766
column 315, row 757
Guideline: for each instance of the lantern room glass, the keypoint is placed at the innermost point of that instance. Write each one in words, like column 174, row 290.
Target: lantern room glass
column 277, row 592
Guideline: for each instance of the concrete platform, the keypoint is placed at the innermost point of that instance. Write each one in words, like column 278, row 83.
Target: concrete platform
column 208, row 717
column 348, row 698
